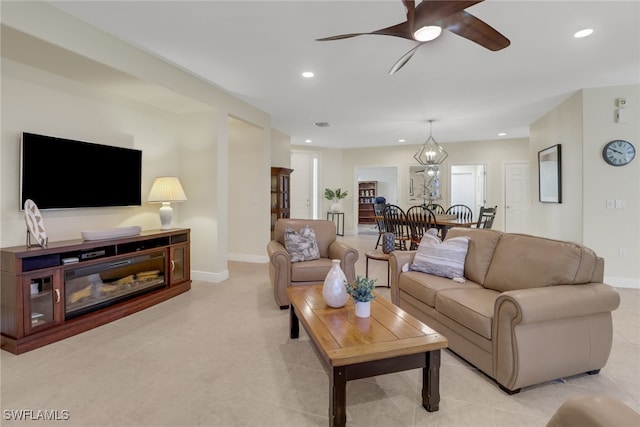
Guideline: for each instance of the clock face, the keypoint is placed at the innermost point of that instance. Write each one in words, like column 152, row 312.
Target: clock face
column 618, row 152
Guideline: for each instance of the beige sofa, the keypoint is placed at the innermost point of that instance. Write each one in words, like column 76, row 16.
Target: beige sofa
column 531, row 310
column 594, row 411
column 284, row 273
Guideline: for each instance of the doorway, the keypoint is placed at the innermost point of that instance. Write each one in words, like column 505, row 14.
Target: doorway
column 468, row 186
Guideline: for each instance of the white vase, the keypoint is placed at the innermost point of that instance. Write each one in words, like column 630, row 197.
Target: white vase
column 333, row 290
column 335, row 207
column 363, row 309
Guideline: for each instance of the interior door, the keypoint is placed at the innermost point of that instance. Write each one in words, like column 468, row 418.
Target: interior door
column 303, row 198
column 517, row 197
column 468, row 186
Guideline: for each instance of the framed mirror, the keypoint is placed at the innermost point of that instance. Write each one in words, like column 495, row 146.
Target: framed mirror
column 424, row 184
column 549, row 174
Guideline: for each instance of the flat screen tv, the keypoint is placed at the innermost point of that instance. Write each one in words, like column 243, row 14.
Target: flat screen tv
column 58, row 173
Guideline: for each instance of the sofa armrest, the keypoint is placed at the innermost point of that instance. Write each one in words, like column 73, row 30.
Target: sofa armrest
column 558, row 302
column 396, row 260
column 279, row 271
column 539, row 334
column 347, row 256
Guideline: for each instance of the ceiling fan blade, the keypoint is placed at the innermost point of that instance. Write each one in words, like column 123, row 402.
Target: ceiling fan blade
column 403, row 60
column 429, row 12
column 398, row 30
column 468, row 26
column 340, row 37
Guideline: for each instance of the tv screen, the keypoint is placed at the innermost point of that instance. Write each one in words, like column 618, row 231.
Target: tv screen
column 58, row 173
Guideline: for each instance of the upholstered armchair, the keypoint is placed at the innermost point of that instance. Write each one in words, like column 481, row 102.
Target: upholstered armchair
column 284, row 273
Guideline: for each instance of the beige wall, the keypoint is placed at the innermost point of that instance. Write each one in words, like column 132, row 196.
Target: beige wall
column 62, row 77
column 610, row 230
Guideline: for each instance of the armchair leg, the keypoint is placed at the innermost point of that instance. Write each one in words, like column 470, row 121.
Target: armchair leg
column 594, row 372
column 284, row 307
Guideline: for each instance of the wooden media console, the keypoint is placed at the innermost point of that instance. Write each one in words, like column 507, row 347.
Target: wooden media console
column 51, row 293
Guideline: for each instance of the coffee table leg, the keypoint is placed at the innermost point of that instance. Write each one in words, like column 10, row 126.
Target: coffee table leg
column 338, row 397
column 431, row 381
column 294, row 325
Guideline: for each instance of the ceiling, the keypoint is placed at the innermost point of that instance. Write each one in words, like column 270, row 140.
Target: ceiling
column 257, row 50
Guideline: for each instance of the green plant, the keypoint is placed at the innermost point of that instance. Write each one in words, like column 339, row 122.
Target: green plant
column 329, row 194
column 361, row 289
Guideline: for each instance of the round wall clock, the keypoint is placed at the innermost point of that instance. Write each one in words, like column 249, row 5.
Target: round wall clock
column 35, row 223
column 618, row 152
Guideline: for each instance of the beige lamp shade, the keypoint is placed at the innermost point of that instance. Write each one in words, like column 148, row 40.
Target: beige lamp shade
column 166, row 189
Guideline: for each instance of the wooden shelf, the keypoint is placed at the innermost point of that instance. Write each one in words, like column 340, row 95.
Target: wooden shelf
column 367, row 193
column 280, row 195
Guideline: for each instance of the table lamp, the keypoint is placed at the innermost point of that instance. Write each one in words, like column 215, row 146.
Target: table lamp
column 166, row 189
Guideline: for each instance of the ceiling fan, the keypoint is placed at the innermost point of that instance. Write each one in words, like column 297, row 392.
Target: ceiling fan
column 426, row 21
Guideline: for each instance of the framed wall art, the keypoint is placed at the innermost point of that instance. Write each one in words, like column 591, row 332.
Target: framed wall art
column 549, row 174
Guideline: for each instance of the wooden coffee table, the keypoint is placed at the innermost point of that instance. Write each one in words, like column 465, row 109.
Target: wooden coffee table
column 350, row 348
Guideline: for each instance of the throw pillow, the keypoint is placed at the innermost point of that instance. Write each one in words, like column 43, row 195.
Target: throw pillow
column 302, row 246
column 444, row 259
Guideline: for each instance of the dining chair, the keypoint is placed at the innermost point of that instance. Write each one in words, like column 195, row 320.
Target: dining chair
column 486, row 217
column 378, row 214
column 436, row 208
column 462, row 212
column 395, row 221
column 420, row 219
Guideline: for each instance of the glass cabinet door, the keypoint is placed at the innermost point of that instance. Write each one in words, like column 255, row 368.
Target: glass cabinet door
column 179, row 267
column 42, row 301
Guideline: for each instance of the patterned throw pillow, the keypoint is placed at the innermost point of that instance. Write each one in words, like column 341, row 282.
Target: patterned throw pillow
column 444, row 259
column 301, row 246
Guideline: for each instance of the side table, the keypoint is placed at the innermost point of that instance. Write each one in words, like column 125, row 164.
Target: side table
column 338, row 219
column 378, row 256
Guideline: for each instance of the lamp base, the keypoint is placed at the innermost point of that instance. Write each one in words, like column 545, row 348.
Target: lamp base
column 166, row 213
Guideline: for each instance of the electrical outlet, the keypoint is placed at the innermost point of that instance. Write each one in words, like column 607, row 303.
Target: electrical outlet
column 610, row 204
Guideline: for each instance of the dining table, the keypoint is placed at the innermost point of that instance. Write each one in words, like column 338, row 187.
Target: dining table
column 443, row 223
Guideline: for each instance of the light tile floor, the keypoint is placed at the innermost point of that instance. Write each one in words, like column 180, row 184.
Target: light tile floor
column 220, row 355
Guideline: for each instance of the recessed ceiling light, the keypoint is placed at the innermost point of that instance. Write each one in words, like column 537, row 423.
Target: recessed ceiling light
column 402, row 140
column 502, row 134
column 307, row 74
column 583, row 33
column 308, row 141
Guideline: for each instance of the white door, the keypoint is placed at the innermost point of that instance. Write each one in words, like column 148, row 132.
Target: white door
column 468, row 186
column 304, row 200
column 517, row 198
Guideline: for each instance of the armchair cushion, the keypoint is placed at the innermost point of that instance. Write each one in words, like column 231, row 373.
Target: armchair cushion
column 302, row 246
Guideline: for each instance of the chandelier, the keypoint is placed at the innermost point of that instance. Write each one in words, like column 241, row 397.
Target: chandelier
column 431, row 153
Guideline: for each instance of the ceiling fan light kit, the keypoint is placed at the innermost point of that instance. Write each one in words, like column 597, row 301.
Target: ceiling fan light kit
column 426, row 21
column 427, row 33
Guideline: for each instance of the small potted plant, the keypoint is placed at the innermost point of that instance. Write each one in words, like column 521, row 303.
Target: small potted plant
column 361, row 290
column 335, row 197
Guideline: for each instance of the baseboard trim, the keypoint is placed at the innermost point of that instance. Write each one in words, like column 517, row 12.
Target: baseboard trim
column 622, row 282
column 206, row 276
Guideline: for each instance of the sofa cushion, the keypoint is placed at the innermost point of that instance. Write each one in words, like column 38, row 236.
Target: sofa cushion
column 302, row 246
column 482, row 243
column 444, row 259
column 522, row 261
column 425, row 286
column 472, row 308
column 311, row 271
